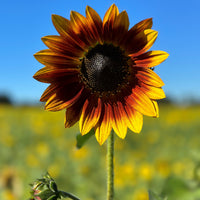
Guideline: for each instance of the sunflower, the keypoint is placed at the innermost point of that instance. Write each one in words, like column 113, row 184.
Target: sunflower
column 100, row 72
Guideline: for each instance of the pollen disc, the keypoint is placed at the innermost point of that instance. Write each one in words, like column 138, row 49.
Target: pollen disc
column 104, row 67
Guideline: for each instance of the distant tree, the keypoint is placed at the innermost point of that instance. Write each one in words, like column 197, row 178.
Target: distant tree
column 165, row 101
column 4, row 99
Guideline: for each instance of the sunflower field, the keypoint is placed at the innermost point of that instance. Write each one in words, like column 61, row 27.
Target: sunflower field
column 164, row 157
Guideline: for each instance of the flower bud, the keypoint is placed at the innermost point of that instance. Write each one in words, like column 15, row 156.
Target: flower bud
column 44, row 189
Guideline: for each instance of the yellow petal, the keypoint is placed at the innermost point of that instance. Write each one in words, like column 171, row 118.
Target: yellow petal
column 90, row 116
column 149, row 36
column 134, row 119
column 149, row 77
column 152, row 92
column 141, row 102
column 110, row 15
column 103, row 128
column 118, row 122
column 151, row 58
column 156, row 108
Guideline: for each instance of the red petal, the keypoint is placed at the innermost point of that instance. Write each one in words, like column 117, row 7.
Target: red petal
column 108, row 22
column 141, row 42
column 136, row 30
column 120, row 27
column 63, row 98
column 142, row 25
column 73, row 113
column 59, row 44
column 56, row 86
column 50, row 58
column 65, row 29
column 80, row 27
column 49, row 75
column 95, row 23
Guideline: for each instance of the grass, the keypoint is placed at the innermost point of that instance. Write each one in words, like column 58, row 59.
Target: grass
column 164, row 157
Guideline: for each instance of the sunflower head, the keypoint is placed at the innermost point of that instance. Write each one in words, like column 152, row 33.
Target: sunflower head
column 100, row 71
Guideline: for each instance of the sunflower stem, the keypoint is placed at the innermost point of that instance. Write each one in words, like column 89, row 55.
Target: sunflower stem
column 110, row 167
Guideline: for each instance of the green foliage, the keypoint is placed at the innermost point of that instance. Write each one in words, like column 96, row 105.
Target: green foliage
column 81, row 140
column 153, row 196
column 177, row 187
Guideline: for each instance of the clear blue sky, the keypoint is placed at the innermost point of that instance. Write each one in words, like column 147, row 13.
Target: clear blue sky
column 23, row 23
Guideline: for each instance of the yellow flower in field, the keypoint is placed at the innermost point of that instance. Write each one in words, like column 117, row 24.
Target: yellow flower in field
column 146, row 171
column 7, row 195
column 141, row 194
column 125, row 175
column 178, row 167
column 101, row 73
column 54, row 169
column 8, row 140
column 42, row 149
column 80, row 153
column 32, row 160
column 163, row 168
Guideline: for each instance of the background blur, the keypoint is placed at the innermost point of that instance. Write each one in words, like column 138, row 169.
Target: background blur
column 164, row 157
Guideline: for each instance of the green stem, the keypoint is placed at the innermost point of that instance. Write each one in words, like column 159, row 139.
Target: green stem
column 110, row 167
column 68, row 195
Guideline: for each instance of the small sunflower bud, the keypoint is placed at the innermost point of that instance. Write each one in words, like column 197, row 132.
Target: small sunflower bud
column 44, row 189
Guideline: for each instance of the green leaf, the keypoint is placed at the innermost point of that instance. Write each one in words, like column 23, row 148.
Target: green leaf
column 175, row 187
column 81, row 140
column 67, row 195
column 45, row 194
column 153, row 196
column 54, row 197
column 53, row 186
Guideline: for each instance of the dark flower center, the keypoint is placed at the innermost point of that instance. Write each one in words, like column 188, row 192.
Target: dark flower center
column 104, row 67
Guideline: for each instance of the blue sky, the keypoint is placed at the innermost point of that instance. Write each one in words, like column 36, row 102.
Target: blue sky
column 23, row 23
